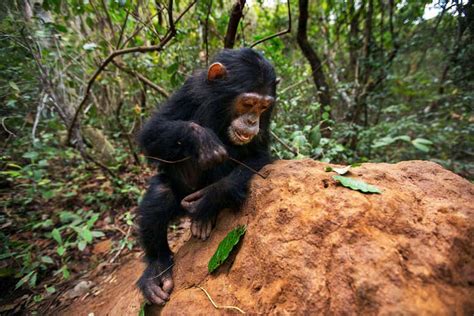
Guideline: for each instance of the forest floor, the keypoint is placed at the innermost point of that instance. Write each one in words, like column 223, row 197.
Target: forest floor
column 64, row 226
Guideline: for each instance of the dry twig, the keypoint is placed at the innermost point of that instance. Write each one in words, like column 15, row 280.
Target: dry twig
column 187, row 158
column 222, row 306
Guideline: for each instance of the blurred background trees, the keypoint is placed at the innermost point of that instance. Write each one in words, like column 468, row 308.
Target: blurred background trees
column 368, row 80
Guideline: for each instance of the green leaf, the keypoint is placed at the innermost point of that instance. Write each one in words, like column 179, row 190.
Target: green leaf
column 97, row 233
column 33, row 279
column 420, row 146
column 315, row 136
column 14, row 86
column 14, row 165
column 65, row 272
column 57, row 236
column 61, row 250
column 60, row 28
column 172, row 68
column 84, row 233
column 357, row 185
column 142, row 310
column 50, row 289
column 33, row 155
column 48, row 194
column 225, row 247
column 47, row 259
column 405, row 138
column 423, row 141
column 299, row 141
column 81, row 245
column 24, row 279
column 92, row 220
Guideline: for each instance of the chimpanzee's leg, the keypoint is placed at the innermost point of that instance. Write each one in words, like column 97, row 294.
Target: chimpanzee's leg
column 156, row 209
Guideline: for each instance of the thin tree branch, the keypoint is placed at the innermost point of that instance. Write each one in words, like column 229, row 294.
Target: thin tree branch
column 138, row 29
column 140, row 49
column 292, row 150
column 127, row 135
column 108, row 19
column 206, row 32
column 122, row 30
column 10, row 133
column 288, row 30
column 142, row 78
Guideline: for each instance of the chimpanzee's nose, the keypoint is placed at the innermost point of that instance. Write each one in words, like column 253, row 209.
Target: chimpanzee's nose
column 251, row 121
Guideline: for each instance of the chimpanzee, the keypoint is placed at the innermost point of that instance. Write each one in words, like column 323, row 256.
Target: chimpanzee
column 220, row 112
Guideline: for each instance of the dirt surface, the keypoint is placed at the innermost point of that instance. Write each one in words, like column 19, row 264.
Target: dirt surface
column 314, row 246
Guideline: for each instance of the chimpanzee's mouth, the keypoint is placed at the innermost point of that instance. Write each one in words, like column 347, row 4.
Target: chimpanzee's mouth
column 238, row 137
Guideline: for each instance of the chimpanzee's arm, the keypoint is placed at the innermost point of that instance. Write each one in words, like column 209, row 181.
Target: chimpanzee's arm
column 166, row 138
column 229, row 192
column 171, row 134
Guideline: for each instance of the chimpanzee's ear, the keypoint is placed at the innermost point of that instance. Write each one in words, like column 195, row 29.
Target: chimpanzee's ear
column 216, row 71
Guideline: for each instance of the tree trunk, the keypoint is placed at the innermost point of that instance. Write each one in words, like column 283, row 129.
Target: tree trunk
column 233, row 25
column 314, row 61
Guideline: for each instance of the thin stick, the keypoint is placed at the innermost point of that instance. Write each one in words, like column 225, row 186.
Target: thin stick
column 288, row 30
column 5, row 127
column 162, row 272
column 122, row 246
column 122, row 30
column 142, row 78
column 293, row 151
column 169, row 161
column 40, row 108
column 223, row 306
column 189, row 157
column 248, row 167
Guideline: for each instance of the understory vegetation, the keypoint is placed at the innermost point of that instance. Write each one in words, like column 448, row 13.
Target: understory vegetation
column 361, row 81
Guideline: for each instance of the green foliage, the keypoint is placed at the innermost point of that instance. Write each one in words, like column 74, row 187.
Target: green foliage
column 357, row 185
column 225, row 247
column 402, row 90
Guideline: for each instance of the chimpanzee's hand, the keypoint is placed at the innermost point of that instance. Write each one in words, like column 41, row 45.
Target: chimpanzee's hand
column 210, row 150
column 196, row 205
column 193, row 202
column 156, row 282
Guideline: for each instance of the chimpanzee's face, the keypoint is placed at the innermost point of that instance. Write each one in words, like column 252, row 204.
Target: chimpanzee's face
column 245, row 109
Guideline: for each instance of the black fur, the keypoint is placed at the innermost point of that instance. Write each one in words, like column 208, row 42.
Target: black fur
column 169, row 135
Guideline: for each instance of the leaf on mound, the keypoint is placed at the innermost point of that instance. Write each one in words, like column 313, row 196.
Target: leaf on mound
column 141, row 312
column 341, row 171
column 357, row 185
column 225, row 247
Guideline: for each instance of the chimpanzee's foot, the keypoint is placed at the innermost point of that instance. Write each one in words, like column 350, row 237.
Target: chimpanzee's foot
column 156, row 283
column 201, row 228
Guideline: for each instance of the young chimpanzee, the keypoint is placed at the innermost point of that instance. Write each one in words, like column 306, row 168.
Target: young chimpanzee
column 218, row 113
